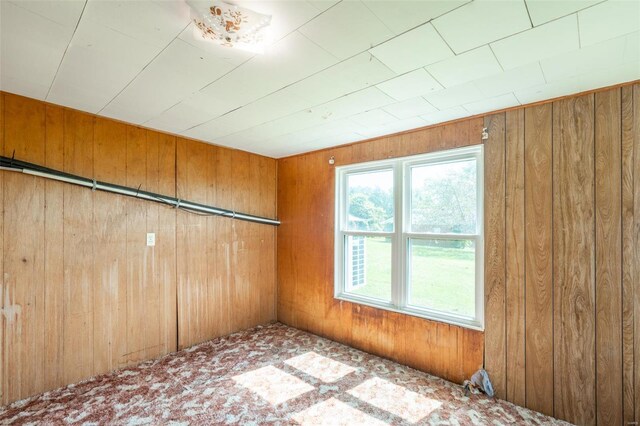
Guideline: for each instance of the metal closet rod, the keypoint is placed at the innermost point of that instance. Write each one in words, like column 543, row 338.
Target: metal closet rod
column 14, row 165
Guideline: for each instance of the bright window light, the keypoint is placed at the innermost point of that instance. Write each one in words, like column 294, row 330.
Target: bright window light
column 320, row 367
column 230, row 25
column 409, row 235
column 334, row 412
column 395, row 399
column 273, row 384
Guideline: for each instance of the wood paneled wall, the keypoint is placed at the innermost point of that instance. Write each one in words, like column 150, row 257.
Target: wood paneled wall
column 562, row 249
column 566, row 299
column 305, row 261
column 81, row 293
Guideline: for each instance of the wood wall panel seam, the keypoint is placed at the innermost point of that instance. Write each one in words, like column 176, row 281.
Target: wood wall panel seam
column 628, row 263
column 515, row 254
column 495, row 291
column 608, row 244
column 93, row 240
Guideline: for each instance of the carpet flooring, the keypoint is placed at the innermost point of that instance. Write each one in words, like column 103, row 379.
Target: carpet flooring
column 267, row 375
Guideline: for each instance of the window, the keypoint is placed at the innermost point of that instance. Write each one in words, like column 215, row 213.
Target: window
column 409, row 235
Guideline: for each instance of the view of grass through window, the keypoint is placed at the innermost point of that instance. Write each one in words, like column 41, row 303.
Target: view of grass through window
column 442, row 278
column 440, row 225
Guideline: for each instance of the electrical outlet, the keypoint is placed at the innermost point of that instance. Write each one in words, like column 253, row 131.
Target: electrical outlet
column 151, row 239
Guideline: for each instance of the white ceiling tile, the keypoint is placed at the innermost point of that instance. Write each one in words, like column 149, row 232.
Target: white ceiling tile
column 547, row 91
column 31, row 48
column 511, row 80
column 608, row 20
column 192, row 111
column 337, row 109
column 413, row 49
column 179, row 70
column 542, row 11
column 454, row 96
column 62, row 12
column 291, row 59
column 392, row 127
column 98, row 64
column 373, row 118
column 410, row 85
column 271, row 107
column 466, row 67
column 481, row 22
column 332, row 129
column 410, row 108
column 353, row 103
column 627, row 71
column 402, row 15
column 592, row 79
column 346, row 29
column 193, row 36
column 154, row 22
column 446, row 115
column 345, row 77
column 492, row 104
column 286, row 16
column 598, row 56
column 556, row 37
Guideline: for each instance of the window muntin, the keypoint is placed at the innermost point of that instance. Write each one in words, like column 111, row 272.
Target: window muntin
column 409, row 235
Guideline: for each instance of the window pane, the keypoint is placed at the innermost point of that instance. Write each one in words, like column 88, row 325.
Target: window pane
column 442, row 275
column 443, row 197
column 368, row 266
column 370, row 201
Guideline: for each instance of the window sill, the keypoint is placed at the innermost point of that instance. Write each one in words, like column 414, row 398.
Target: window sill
column 416, row 312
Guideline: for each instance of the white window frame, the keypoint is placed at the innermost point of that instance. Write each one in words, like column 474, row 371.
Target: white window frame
column 400, row 237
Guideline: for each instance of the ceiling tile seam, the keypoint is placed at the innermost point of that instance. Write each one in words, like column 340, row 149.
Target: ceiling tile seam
column 324, row 69
column 248, row 59
column 575, row 12
column 433, row 77
column 66, row 49
column 377, row 17
column 311, row 75
column 291, row 84
column 542, row 71
column 495, row 57
column 144, row 68
column 446, row 42
column 302, row 110
column 18, row 5
column 526, row 7
column 317, row 105
column 317, row 45
column 579, row 36
column 349, row 93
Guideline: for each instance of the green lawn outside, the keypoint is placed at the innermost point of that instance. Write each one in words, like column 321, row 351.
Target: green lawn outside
column 441, row 278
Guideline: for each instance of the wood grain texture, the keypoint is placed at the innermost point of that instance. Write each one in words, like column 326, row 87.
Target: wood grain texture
column 54, row 252
column 110, row 254
column 82, row 294
column 494, row 254
column 608, row 245
column 629, row 267
column 574, row 266
column 229, row 283
column 636, row 241
column 515, row 257
column 78, row 250
column 539, row 259
column 23, row 239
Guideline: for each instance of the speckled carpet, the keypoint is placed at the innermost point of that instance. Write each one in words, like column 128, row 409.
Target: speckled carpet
column 267, row 375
